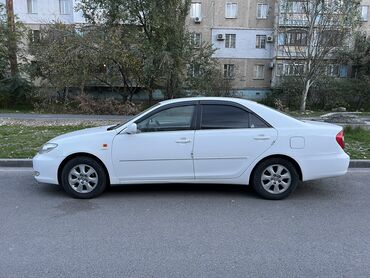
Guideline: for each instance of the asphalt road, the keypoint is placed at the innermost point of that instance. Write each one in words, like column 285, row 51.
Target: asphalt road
column 322, row 230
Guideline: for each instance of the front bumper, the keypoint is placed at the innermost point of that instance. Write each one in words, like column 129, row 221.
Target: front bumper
column 46, row 168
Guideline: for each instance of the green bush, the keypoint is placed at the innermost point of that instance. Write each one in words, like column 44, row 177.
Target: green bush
column 15, row 93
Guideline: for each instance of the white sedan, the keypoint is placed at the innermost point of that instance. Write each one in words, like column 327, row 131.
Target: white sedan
column 196, row 140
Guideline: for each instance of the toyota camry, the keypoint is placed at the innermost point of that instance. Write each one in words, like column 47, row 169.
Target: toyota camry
column 196, row 140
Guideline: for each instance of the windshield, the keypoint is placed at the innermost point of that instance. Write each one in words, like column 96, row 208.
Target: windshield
column 125, row 122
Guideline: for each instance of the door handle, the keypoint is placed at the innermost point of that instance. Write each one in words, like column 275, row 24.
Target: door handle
column 183, row 141
column 261, row 137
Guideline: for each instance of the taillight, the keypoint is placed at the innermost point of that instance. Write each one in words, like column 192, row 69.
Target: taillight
column 340, row 138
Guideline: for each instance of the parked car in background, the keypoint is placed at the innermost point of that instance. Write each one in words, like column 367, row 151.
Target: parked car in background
column 196, row 140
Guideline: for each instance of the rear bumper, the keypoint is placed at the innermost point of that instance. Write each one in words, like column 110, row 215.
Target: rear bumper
column 317, row 167
column 46, row 168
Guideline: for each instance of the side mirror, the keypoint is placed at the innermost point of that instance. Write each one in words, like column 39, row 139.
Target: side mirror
column 131, row 129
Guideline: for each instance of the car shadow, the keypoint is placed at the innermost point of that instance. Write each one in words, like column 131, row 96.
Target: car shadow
column 180, row 189
column 307, row 190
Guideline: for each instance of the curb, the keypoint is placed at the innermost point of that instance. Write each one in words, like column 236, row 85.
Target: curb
column 354, row 163
column 15, row 162
column 359, row 163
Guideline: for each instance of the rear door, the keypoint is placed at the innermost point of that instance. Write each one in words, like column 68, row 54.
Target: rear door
column 228, row 139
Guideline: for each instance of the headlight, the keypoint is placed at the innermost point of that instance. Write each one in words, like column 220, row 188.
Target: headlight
column 47, row 147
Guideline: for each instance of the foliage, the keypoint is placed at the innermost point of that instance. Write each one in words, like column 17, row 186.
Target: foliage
column 326, row 94
column 14, row 89
column 162, row 43
column 327, row 27
column 24, row 141
column 357, row 142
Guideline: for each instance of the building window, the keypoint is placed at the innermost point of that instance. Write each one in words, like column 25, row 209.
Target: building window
column 262, row 11
column 260, row 41
column 259, row 72
column 194, row 70
column 332, row 70
column 295, row 7
column 230, row 40
column 229, row 71
column 32, row 6
column 196, row 39
column 196, row 10
column 34, row 36
column 231, row 10
column 280, row 69
column 293, row 69
column 343, row 71
column 364, row 13
column 64, row 7
column 295, row 38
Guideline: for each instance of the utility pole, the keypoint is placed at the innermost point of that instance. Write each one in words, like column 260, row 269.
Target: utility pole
column 12, row 41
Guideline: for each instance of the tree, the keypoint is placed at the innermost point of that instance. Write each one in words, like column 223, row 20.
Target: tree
column 359, row 58
column 310, row 32
column 161, row 39
column 13, row 87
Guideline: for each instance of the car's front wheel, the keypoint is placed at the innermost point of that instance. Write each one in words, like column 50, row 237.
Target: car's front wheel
column 83, row 178
column 275, row 179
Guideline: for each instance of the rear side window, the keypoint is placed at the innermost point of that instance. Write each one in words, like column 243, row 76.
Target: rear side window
column 229, row 117
column 223, row 117
column 256, row 122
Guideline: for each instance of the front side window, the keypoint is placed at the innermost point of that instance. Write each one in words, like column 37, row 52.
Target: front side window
column 32, row 6
column 171, row 119
column 230, row 40
column 262, row 10
column 261, row 41
column 231, row 10
column 196, row 10
column 223, row 117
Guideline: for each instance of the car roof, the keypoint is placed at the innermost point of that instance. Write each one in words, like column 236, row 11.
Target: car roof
column 238, row 100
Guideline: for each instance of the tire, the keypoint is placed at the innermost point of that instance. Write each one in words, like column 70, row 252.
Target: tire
column 275, row 179
column 83, row 178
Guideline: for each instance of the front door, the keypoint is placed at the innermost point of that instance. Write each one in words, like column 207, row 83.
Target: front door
column 161, row 150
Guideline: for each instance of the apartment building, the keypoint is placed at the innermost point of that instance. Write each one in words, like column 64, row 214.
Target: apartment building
column 243, row 32
column 35, row 13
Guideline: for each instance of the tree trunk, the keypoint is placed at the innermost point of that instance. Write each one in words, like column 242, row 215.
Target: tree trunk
column 12, row 43
column 305, row 91
column 150, row 96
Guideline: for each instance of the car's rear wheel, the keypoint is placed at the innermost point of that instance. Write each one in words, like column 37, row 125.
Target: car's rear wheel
column 83, row 178
column 275, row 178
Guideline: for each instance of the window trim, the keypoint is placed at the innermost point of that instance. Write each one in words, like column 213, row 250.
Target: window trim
column 196, row 121
column 169, row 106
column 226, row 103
